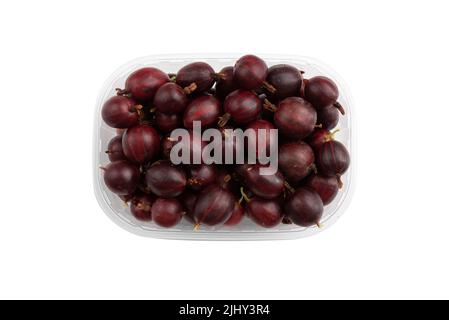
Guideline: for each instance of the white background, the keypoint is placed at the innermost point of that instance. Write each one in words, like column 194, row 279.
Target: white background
column 55, row 242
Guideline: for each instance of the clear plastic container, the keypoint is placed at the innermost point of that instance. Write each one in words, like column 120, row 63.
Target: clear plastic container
column 115, row 208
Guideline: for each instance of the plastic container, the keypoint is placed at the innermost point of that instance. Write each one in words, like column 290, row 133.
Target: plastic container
column 246, row 230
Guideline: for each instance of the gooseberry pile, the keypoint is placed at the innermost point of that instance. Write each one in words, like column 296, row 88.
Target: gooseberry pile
column 247, row 95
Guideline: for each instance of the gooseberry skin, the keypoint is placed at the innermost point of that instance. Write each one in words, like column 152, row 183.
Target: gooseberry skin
column 304, row 207
column 328, row 117
column 165, row 180
column 225, row 83
column 243, row 106
column 170, row 98
column 286, row 79
column 122, row 177
column 200, row 73
column 166, row 212
column 141, row 143
column 257, row 125
column 250, row 72
column 333, row 158
column 213, row 206
column 188, row 200
column 264, row 186
column 318, row 137
column 115, row 149
column 266, row 213
column 167, row 122
column 321, row 92
column 205, row 108
column 140, row 206
column 237, row 215
column 295, row 160
column 142, row 84
column 326, row 187
column 120, row 112
column 201, row 176
column 295, row 118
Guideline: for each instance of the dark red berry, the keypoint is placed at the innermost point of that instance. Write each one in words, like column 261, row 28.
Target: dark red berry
column 304, row 207
column 318, row 137
column 201, row 176
column 199, row 73
column 141, row 143
column 120, row 112
column 192, row 142
column 242, row 106
column 295, row 118
column 213, row 206
column 225, row 83
column 322, row 92
column 266, row 213
column 237, row 215
column 328, row 117
column 188, row 200
column 250, row 72
column 115, row 149
column 333, row 158
column 141, row 206
column 170, row 98
column 296, row 160
column 167, row 122
column 205, row 109
column 142, row 84
column 166, row 212
column 286, row 79
column 326, row 187
column 122, row 177
column 264, row 186
column 165, row 179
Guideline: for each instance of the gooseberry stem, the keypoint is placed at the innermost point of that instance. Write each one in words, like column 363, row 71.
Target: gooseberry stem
column 339, row 107
column 244, row 195
column 122, row 92
column 269, row 87
column 190, row 88
column 269, row 106
column 224, row 119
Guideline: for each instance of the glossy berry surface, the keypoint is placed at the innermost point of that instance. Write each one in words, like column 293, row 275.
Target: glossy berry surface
column 199, row 73
column 115, row 149
column 266, row 213
column 265, row 186
column 236, row 216
column 225, row 83
column 250, row 72
column 295, row 118
column 318, row 137
column 140, row 206
column 326, row 187
column 321, row 92
column 242, row 106
column 165, row 179
column 202, row 175
column 333, row 158
column 328, row 117
column 304, row 207
column 142, row 84
column 141, row 143
column 295, row 160
column 205, row 109
column 213, row 206
column 170, row 98
column 166, row 213
column 120, row 112
column 286, row 79
column 167, row 122
column 122, row 177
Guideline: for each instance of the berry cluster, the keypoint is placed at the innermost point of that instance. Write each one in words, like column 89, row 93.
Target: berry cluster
column 247, row 95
